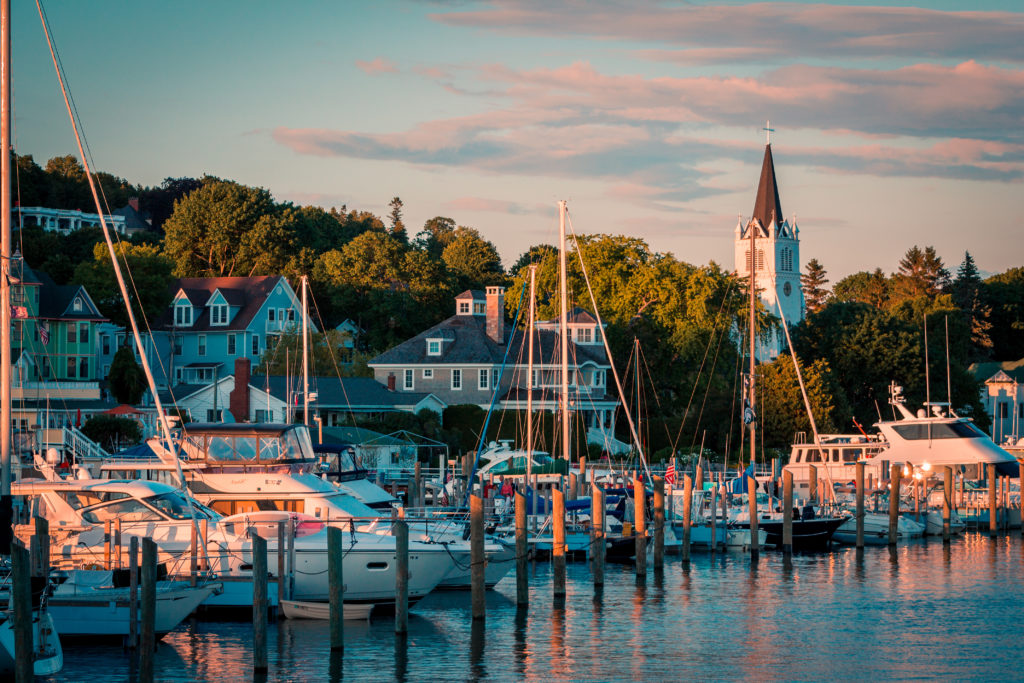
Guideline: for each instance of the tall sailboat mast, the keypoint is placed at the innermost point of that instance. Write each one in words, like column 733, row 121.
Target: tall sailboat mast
column 563, row 330
column 753, row 335
column 305, row 353
column 6, row 508
column 529, row 376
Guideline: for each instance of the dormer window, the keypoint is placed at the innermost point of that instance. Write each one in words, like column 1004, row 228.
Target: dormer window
column 433, row 347
column 182, row 315
column 479, row 308
column 463, row 308
column 584, row 335
column 219, row 314
column 77, row 305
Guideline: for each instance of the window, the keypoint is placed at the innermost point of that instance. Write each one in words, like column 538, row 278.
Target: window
column 479, row 308
column 177, row 346
column 83, row 367
column 598, row 378
column 760, row 259
column 428, row 373
column 177, row 374
column 77, row 305
column 83, row 333
column 433, row 347
column 949, row 430
column 105, row 344
column 484, row 378
column 71, row 333
column 533, row 378
column 463, row 308
column 214, row 416
column 1020, row 410
column 255, row 344
column 72, row 367
column 1004, row 410
column 232, row 344
column 410, row 383
column 202, row 345
column 264, row 415
column 584, row 335
column 457, row 379
column 291, row 315
column 182, row 315
column 219, row 314
column 271, row 314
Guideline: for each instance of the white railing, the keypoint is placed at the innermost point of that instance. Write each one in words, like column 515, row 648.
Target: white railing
column 79, row 446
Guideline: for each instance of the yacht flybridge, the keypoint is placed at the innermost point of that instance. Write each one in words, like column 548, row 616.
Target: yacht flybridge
column 935, row 436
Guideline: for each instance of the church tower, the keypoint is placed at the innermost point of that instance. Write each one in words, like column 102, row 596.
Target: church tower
column 777, row 261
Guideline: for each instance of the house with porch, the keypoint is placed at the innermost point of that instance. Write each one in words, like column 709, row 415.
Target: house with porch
column 1002, row 397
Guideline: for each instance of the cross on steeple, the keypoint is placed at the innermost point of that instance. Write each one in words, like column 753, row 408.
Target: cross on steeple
column 768, row 131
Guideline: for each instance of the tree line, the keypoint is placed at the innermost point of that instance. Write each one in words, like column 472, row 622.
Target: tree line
column 860, row 334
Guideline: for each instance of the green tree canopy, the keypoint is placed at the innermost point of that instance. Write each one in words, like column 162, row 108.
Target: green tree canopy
column 921, row 273
column 813, row 283
column 863, row 287
column 146, row 271
column 111, row 432
column 473, row 260
column 781, row 410
column 126, row 379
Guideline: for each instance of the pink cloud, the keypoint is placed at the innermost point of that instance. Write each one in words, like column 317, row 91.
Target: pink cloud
column 377, row 66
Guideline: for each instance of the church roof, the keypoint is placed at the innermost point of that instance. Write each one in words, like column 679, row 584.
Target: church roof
column 767, row 205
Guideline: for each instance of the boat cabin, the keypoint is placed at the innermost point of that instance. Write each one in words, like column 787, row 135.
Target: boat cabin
column 246, row 444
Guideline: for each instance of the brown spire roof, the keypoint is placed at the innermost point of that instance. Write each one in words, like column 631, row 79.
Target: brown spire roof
column 767, row 205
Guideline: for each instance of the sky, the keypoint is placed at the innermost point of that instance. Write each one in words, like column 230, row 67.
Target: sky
column 894, row 125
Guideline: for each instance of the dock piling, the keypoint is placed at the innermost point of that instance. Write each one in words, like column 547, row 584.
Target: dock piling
column 860, row 504
column 336, row 581
column 193, row 564
column 894, row 503
column 417, row 479
column 401, row 528
column 522, row 578
column 640, row 528
column 21, row 597
column 812, row 484
column 687, row 514
column 992, row 512
column 476, row 555
column 787, row 512
column 133, row 592
column 147, row 610
column 752, row 502
column 659, row 524
column 947, row 503
column 558, row 541
column 259, row 602
column 597, row 547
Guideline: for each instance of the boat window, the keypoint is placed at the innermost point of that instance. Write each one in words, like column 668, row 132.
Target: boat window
column 171, row 504
column 220, row 448
column 813, row 455
column 83, row 499
column 245, row 448
column 270, row 448
column 946, row 430
column 799, row 456
column 851, row 454
column 130, row 510
column 502, row 467
column 542, row 459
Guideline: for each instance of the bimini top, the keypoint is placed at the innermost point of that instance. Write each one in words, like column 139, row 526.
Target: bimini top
column 235, row 428
column 249, row 444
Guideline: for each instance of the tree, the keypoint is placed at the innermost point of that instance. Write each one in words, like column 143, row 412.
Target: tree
column 225, row 229
column 149, row 272
column 112, row 432
column 126, row 379
column 813, row 283
column 533, row 256
column 1005, row 294
column 328, row 355
column 436, row 234
column 473, row 260
column 968, row 294
column 920, row 273
column 781, row 407
column 863, row 287
column 397, row 226
column 159, row 201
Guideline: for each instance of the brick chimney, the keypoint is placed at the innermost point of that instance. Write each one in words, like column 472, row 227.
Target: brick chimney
column 238, row 399
column 134, row 203
column 496, row 314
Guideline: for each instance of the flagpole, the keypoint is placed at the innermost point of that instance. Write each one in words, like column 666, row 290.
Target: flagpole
column 6, row 504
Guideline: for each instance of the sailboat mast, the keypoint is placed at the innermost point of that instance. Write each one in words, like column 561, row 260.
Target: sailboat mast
column 305, row 354
column 636, row 350
column 563, row 330
column 927, row 379
column 753, row 335
column 5, row 258
column 529, row 375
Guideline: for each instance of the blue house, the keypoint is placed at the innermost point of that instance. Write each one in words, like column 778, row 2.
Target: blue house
column 212, row 322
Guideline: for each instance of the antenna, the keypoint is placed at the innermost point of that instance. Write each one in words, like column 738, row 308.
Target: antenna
column 949, row 379
column 927, row 386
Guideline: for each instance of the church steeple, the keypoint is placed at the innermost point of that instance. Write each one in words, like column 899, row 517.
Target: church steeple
column 767, row 206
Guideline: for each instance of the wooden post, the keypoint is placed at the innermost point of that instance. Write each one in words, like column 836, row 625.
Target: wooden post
column 713, row 512
column 812, row 484
column 476, row 555
column 417, row 478
column 336, row 581
column 894, row 503
column 787, row 511
column 117, row 542
column 583, row 475
column 992, row 521
column 133, row 593
column 659, row 524
column 259, row 602
column 204, row 533
column 687, row 514
column 107, row 539
column 860, row 504
column 1020, row 473
column 147, row 628
column 558, row 541
column 598, row 546
column 40, row 551
column 401, row 528
column 640, row 528
column 21, row 597
column 752, row 502
column 522, row 579
column 947, row 503
column 699, row 483
column 917, row 500
column 282, row 572
column 573, row 486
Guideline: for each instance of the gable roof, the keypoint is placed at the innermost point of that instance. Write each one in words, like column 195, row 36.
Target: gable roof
column 55, row 301
column 767, row 206
column 247, row 293
column 357, row 393
column 23, row 272
column 134, row 219
column 470, row 345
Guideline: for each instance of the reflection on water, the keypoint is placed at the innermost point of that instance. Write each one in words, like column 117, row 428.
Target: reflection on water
column 918, row 610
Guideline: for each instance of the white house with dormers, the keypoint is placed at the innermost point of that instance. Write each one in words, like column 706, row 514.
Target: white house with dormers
column 776, row 261
column 459, row 361
column 1002, row 397
column 212, row 322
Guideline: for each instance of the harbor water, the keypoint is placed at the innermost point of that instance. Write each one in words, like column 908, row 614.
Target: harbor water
column 918, row 611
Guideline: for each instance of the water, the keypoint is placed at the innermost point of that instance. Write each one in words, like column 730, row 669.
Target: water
column 922, row 611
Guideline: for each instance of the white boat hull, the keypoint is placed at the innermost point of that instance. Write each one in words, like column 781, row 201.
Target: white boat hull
column 293, row 609
column 49, row 657
column 876, row 530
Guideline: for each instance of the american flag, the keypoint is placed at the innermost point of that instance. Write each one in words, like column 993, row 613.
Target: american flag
column 44, row 332
column 670, row 473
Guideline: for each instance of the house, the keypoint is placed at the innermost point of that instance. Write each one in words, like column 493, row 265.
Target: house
column 212, row 322
column 460, row 362
column 135, row 220
column 64, row 221
column 1002, row 397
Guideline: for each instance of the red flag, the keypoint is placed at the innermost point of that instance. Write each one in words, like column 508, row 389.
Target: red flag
column 670, row 473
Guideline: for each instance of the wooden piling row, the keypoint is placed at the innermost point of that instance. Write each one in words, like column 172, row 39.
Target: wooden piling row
column 597, row 545
column 147, row 610
column 687, row 510
column 336, row 581
column 476, row 554
column 522, row 578
column 558, row 541
column 259, row 602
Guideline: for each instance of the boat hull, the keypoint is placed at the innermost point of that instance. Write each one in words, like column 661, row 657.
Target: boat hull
column 293, row 609
column 808, row 534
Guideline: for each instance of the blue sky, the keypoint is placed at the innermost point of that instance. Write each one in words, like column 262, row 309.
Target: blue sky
column 895, row 125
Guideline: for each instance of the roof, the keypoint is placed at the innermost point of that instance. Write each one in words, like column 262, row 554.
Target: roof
column 205, row 364
column 576, row 316
column 471, row 294
column 995, row 371
column 246, row 293
column 125, row 409
column 179, row 392
column 55, row 301
column 133, row 218
column 354, row 392
column 470, row 345
column 767, row 207
column 358, row 435
column 24, row 272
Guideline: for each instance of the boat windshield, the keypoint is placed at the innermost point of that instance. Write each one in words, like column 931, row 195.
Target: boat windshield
column 171, row 504
column 942, row 430
column 289, row 445
column 129, row 510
